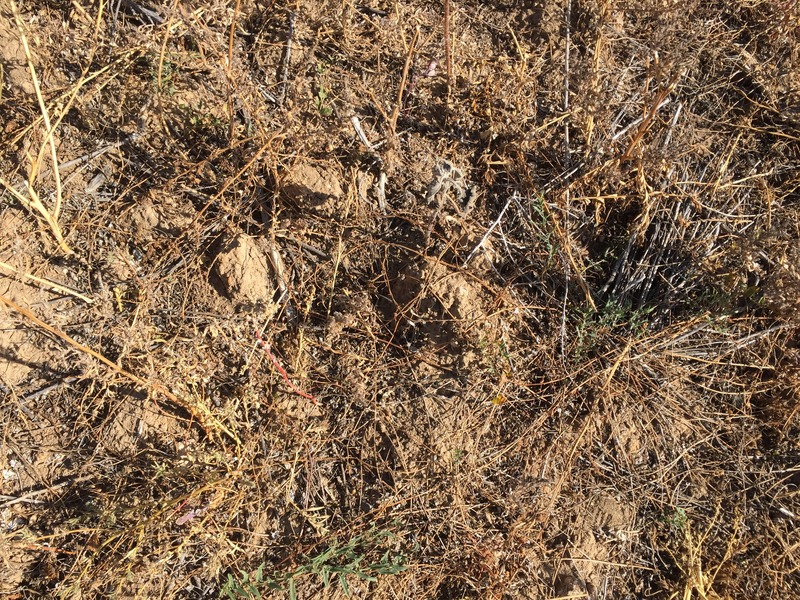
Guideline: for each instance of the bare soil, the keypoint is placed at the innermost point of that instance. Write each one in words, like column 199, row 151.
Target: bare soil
column 399, row 299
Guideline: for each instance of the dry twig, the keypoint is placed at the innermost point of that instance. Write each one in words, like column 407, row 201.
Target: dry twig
column 45, row 283
column 33, row 201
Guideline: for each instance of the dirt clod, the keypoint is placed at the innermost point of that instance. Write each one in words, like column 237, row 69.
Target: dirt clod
column 314, row 187
column 244, row 269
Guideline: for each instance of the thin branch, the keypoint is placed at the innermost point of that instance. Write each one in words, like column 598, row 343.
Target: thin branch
column 489, row 231
column 229, row 73
column 31, row 497
column 563, row 330
column 86, row 350
column 45, row 282
column 287, row 57
column 448, row 53
column 403, row 81
column 49, row 130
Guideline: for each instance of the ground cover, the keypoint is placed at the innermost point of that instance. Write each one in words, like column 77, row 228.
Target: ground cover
column 395, row 299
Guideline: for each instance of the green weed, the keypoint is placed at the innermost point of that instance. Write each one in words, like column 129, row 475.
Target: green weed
column 199, row 119
column 321, row 99
column 676, row 519
column 612, row 318
column 541, row 223
column 169, row 72
column 335, row 564
column 321, row 102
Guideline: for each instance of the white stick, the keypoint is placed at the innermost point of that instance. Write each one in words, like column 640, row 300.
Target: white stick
column 489, row 231
column 360, row 132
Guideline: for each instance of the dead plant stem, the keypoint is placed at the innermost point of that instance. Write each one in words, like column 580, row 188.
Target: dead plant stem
column 45, row 283
column 229, row 73
column 236, row 177
column 287, row 58
column 93, row 353
column 403, row 82
column 448, row 53
column 31, row 497
column 563, row 329
column 49, row 131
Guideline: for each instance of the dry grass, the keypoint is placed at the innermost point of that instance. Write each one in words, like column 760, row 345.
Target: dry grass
column 549, row 312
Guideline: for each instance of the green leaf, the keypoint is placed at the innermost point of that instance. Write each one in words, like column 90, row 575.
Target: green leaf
column 343, row 583
column 231, row 588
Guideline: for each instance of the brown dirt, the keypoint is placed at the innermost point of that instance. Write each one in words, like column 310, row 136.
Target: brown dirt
column 528, row 308
column 22, row 349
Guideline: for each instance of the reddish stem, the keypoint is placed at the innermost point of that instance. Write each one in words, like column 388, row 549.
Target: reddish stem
column 282, row 371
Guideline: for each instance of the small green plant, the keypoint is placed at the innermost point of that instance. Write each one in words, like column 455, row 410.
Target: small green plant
column 541, row 222
column 248, row 586
column 321, row 102
column 676, row 519
column 594, row 325
column 321, row 99
column 199, row 119
column 169, row 69
column 334, row 564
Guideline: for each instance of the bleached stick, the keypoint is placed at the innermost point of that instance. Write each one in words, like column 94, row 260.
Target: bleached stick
column 489, row 231
column 45, row 282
